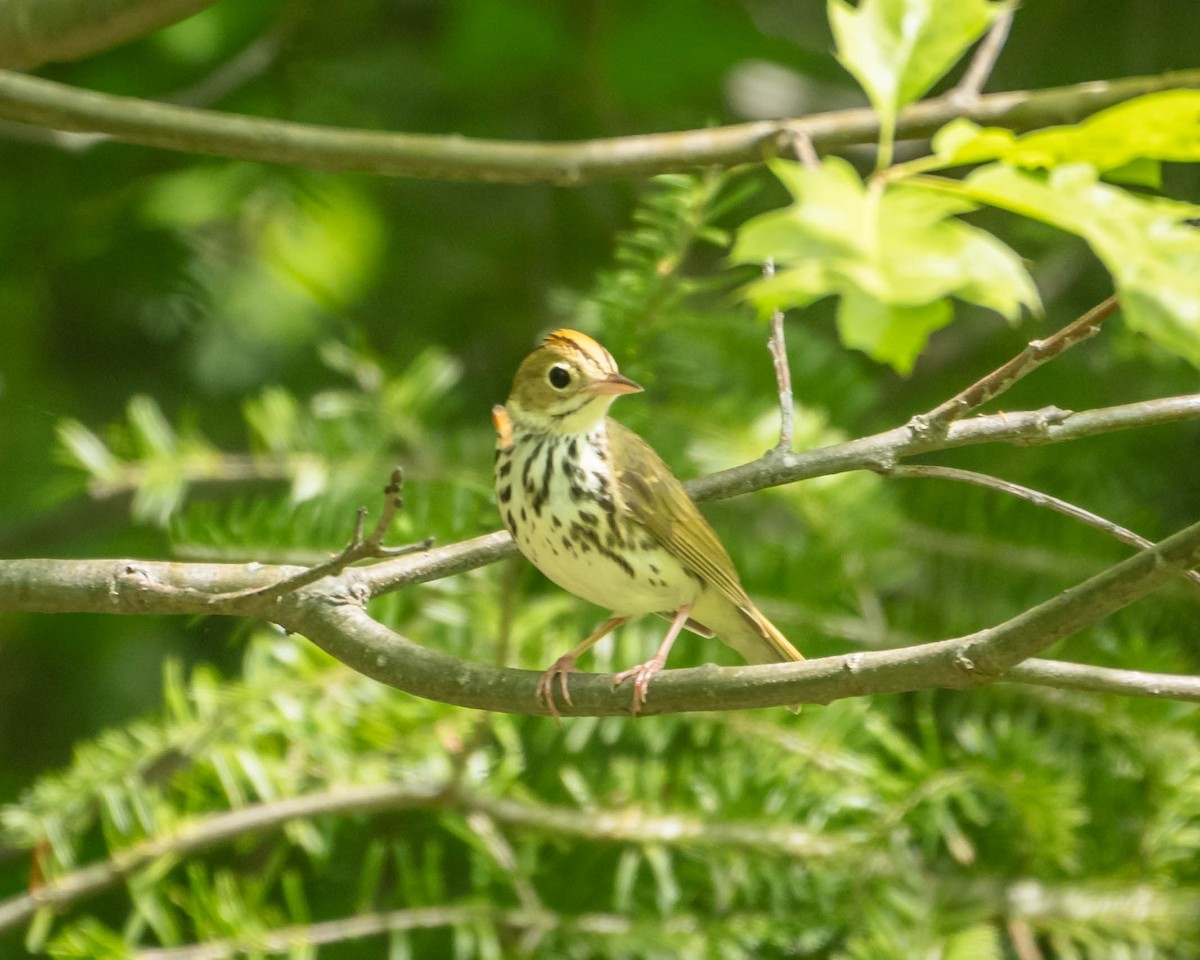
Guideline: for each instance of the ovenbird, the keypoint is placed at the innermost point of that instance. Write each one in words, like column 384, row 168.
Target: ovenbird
column 595, row 509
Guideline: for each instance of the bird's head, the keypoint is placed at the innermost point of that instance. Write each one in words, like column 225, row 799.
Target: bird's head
column 566, row 385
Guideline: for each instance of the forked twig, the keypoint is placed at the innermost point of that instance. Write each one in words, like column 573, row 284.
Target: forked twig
column 1036, row 352
column 360, row 547
column 1035, row 497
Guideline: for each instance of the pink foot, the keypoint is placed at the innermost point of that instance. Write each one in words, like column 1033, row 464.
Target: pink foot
column 545, row 686
column 641, row 675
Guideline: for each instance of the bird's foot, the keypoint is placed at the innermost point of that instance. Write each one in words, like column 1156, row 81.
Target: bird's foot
column 641, row 675
column 545, row 686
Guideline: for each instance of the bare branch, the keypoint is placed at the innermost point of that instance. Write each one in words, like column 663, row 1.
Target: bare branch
column 346, row 632
column 879, row 451
column 999, row 380
column 924, row 471
column 1125, row 683
column 233, row 74
column 130, row 120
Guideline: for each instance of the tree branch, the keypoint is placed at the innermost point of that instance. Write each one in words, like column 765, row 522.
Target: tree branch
column 331, row 611
column 350, row 635
column 1036, row 497
column 1126, row 683
column 204, row 835
column 149, row 587
column 128, row 119
column 678, row 926
column 879, row 451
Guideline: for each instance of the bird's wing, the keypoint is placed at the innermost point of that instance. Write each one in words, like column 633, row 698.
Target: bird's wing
column 657, row 501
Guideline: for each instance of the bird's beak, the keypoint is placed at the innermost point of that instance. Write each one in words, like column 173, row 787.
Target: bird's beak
column 614, row 385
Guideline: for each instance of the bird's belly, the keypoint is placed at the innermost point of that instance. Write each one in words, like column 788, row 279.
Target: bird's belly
column 571, row 530
column 639, row 582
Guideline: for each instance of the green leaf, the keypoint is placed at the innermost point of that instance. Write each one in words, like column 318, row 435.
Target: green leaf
column 893, row 253
column 890, row 334
column 898, row 49
column 1153, row 254
column 1162, row 126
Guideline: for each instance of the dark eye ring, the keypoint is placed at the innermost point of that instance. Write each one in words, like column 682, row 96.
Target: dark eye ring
column 559, row 376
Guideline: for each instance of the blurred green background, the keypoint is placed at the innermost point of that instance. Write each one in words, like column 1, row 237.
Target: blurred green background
column 368, row 320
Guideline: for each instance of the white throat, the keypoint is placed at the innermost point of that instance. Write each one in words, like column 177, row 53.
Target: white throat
column 577, row 417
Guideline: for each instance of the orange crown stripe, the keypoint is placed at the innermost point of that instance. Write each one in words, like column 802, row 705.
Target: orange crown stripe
column 583, row 343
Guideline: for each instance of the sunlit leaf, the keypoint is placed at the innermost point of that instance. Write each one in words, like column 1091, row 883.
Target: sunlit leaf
column 892, row 253
column 1147, row 243
column 897, row 49
column 1162, row 126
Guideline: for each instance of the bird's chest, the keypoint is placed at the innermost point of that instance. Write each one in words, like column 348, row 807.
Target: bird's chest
column 558, row 498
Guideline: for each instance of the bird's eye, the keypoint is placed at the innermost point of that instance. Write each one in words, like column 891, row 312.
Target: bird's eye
column 559, row 376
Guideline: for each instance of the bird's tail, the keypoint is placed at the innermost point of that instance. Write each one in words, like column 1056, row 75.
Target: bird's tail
column 744, row 627
column 778, row 649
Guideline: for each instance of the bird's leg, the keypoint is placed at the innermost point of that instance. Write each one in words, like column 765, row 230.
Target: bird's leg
column 643, row 673
column 566, row 664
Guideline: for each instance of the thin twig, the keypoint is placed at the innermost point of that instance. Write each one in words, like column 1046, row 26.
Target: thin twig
column 1110, row 680
column 1036, row 353
column 1036, row 497
column 805, row 149
column 969, row 88
column 783, row 372
column 359, row 548
column 233, row 74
